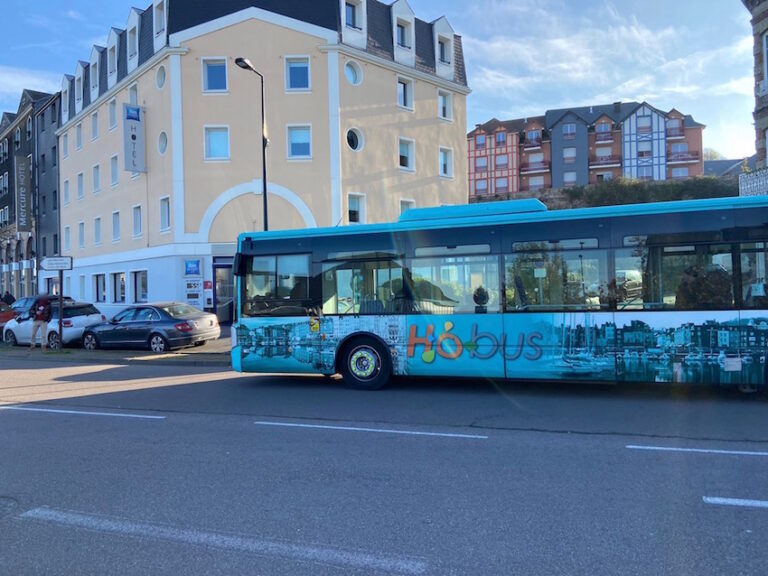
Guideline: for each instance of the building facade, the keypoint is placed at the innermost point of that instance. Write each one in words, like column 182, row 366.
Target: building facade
column 759, row 11
column 17, row 195
column 587, row 145
column 47, row 182
column 365, row 117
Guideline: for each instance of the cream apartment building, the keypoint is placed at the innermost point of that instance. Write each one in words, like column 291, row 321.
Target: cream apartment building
column 365, row 117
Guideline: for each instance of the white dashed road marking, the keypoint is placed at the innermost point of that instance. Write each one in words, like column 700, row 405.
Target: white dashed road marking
column 81, row 412
column 376, row 430
column 736, row 502
column 699, row 450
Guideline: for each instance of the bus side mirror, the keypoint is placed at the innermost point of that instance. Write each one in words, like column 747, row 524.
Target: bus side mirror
column 239, row 265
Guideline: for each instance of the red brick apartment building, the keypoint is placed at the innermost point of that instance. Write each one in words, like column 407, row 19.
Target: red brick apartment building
column 580, row 146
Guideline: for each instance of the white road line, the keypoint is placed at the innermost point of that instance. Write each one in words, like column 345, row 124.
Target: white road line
column 736, row 502
column 698, row 450
column 82, row 413
column 357, row 559
column 377, row 430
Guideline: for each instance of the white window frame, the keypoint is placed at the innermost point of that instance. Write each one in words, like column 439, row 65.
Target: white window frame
column 293, row 58
column 116, row 237
column 204, row 77
column 363, row 210
column 66, row 245
column 409, row 93
column 133, row 94
column 132, row 42
column 449, row 105
column 575, row 177
column 112, row 60
column 676, row 172
column 65, row 200
column 407, row 26
column 409, row 201
column 412, row 154
column 449, row 151
column 158, row 9
column 114, row 171
column 133, row 221
column 94, row 126
column 208, row 127
column 112, row 114
column 79, row 136
column 448, row 43
column 65, row 145
column 96, row 178
column 288, row 129
column 97, row 231
column 80, row 186
column 81, row 235
column 165, row 201
column 134, row 277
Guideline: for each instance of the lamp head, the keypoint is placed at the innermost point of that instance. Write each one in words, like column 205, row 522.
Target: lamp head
column 245, row 64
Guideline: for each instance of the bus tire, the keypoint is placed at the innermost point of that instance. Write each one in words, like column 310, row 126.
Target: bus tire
column 364, row 364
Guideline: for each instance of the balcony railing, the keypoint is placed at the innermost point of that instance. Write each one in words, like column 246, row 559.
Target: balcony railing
column 604, row 160
column 691, row 156
column 675, row 132
column 532, row 143
column 604, row 136
column 534, row 166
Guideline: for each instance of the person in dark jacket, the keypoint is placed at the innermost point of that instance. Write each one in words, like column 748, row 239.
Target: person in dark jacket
column 8, row 298
column 41, row 314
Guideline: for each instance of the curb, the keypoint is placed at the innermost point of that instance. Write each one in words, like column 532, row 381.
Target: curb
column 53, row 358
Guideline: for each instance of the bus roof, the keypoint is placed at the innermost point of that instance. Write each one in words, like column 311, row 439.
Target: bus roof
column 509, row 212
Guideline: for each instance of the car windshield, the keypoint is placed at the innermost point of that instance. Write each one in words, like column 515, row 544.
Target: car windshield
column 180, row 310
column 84, row 310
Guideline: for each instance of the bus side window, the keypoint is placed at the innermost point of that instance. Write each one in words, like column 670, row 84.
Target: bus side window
column 364, row 287
column 753, row 275
column 456, row 284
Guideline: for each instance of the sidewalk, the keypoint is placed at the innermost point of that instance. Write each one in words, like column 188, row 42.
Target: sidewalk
column 215, row 353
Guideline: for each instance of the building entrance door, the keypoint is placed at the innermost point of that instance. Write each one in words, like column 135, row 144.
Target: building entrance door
column 223, row 290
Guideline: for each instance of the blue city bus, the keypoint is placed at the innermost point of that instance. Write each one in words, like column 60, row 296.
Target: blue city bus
column 671, row 292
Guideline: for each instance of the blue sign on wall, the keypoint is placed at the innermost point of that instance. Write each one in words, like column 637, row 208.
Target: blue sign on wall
column 192, row 267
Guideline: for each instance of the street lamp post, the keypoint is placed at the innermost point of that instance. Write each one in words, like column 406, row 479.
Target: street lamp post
column 245, row 64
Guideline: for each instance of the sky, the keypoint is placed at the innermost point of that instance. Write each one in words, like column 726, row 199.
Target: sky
column 522, row 56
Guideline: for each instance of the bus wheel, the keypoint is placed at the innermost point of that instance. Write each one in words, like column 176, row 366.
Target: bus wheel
column 365, row 364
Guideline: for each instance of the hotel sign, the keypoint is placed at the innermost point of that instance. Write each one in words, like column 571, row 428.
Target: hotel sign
column 134, row 153
column 23, row 195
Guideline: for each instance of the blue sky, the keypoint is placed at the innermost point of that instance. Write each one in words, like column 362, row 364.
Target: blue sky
column 523, row 56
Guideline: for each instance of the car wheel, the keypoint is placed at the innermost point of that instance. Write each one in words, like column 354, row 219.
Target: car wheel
column 157, row 343
column 201, row 343
column 53, row 340
column 89, row 341
column 10, row 338
column 365, row 364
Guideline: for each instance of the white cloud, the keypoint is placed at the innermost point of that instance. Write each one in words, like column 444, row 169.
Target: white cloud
column 74, row 15
column 14, row 80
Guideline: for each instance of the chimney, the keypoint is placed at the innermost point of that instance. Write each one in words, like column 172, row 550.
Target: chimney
column 617, row 106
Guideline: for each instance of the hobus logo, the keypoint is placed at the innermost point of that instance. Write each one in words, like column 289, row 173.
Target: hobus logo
column 481, row 345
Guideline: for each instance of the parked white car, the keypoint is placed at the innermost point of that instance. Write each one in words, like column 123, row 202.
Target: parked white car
column 77, row 315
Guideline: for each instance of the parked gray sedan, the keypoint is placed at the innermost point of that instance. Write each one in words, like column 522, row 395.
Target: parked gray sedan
column 159, row 327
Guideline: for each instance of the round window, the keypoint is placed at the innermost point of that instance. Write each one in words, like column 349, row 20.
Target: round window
column 353, row 72
column 162, row 143
column 160, row 78
column 355, row 139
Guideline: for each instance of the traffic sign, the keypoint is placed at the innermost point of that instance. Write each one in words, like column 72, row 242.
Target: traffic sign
column 56, row 263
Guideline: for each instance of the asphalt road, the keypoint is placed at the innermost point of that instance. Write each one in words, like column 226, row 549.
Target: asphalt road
column 115, row 469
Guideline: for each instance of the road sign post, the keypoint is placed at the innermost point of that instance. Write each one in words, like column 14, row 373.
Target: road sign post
column 59, row 263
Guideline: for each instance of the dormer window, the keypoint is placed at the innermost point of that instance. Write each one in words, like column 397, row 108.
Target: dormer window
column 112, row 59
column 17, row 139
column 94, row 75
column 64, row 106
column 352, row 19
column 159, row 18
column 443, row 51
column 403, row 34
column 29, row 129
column 133, row 43
column 79, row 89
